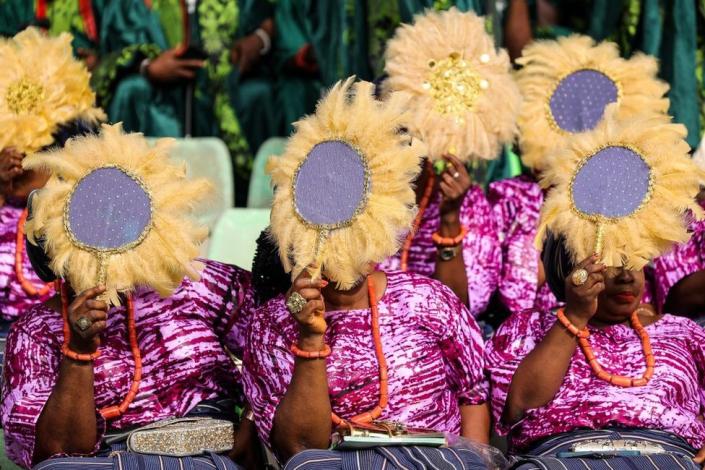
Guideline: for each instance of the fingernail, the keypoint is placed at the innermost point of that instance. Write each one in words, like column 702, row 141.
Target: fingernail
column 324, row 283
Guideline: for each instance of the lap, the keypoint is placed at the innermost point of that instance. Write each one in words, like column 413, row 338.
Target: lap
column 390, row 458
column 133, row 461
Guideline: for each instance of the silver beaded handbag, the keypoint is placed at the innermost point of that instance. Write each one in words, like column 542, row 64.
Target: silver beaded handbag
column 182, row 437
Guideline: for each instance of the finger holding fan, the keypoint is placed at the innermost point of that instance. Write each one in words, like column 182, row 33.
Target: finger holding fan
column 117, row 212
column 622, row 191
column 343, row 194
column 465, row 101
column 566, row 86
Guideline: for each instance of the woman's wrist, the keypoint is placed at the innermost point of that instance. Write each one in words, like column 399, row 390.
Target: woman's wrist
column 450, row 224
column 310, row 342
column 576, row 317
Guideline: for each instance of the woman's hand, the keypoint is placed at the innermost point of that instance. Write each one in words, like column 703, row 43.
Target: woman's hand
column 10, row 169
column 455, row 183
column 168, row 67
column 246, row 53
column 310, row 319
column 581, row 300
column 87, row 319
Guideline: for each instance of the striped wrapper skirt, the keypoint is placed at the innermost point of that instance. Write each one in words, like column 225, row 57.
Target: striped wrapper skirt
column 544, row 455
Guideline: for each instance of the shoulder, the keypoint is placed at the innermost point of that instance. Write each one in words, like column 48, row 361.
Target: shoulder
column 514, row 196
column 9, row 215
column 529, row 324
column 214, row 275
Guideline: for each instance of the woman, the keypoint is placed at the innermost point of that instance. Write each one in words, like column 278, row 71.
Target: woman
column 81, row 373
column 353, row 346
column 66, row 108
column 547, row 396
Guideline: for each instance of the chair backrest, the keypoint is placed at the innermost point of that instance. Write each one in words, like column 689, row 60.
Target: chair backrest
column 208, row 157
column 234, row 239
column 260, row 191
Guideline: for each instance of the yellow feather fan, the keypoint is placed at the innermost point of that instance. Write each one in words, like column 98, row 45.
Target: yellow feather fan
column 42, row 86
column 343, row 187
column 116, row 211
column 622, row 190
column 465, row 100
column 566, row 85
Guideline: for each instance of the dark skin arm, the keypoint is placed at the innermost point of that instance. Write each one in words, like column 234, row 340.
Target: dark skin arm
column 453, row 188
column 475, row 422
column 303, row 417
column 517, row 28
column 67, row 424
column 14, row 181
column 539, row 376
column 246, row 51
column 245, row 452
column 687, row 297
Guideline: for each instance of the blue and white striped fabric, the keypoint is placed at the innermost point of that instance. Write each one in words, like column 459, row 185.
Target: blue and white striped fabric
column 388, row 458
column 132, row 461
column 543, row 456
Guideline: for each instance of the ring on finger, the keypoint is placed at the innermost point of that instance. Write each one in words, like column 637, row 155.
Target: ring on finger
column 579, row 277
column 456, row 175
column 295, row 303
column 83, row 323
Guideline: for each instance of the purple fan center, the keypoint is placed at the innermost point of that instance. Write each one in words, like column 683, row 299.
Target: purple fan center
column 613, row 183
column 109, row 210
column 331, row 184
column 579, row 100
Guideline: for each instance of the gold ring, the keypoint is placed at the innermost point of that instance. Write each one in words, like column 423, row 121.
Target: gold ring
column 295, row 303
column 456, row 175
column 579, row 277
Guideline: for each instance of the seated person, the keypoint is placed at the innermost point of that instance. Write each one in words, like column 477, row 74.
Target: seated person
column 149, row 344
column 547, row 395
column 26, row 128
column 151, row 50
column 349, row 345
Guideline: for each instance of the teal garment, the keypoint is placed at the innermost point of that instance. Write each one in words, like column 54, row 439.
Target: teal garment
column 348, row 38
column 62, row 16
column 224, row 105
column 670, row 30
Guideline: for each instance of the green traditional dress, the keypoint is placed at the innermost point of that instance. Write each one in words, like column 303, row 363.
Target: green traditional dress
column 224, row 105
column 80, row 18
column 348, row 38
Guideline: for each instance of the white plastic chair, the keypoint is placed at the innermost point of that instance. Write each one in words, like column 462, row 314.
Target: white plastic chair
column 234, row 238
column 208, row 157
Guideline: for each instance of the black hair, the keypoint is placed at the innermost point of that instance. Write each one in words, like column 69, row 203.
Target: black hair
column 557, row 264
column 268, row 276
column 38, row 257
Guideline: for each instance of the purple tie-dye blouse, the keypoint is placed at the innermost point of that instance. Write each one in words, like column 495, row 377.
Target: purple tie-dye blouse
column 432, row 345
column 13, row 299
column 182, row 341
column 481, row 251
column 684, row 260
column 516, row 207
column 672, row 400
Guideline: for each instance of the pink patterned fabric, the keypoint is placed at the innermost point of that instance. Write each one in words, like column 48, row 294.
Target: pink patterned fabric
column 682, row 261
column 432, row 345
column 672, row 401
column 182, row 341
column 481, row 251
column 14, row 301
column 516, row 206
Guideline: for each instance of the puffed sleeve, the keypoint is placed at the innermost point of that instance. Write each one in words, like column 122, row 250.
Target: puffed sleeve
column 31, row 370
column 481, row 251
column 512, row 342
column 460, row 341
column 268, row 364
column 697, row 347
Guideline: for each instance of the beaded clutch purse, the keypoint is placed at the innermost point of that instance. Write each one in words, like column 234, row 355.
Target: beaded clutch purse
column 384, row 433
column 181, row 437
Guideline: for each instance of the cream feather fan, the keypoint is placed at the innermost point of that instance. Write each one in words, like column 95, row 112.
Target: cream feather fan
column 350, row 114
column 42, row 86
column 167, row 248
column 465, row 100
column 657, row 223
column 567, row 83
